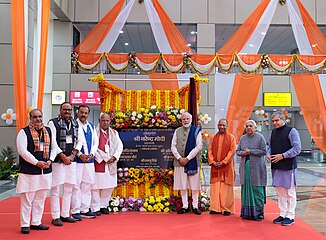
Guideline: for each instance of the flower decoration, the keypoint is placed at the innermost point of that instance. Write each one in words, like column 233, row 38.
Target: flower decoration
column 152, row 117
column 132, row 60
column 204, row 119
column 282, row 2
column 264, row 61
column 9, row 116
column 118, row 204
column 206, row 135
column 157, row 204
column 186, row 60
column 123, row 176
column 199, row 79
column 74, row 60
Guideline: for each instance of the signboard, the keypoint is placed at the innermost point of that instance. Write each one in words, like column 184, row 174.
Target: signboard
column 82, row 97
column 58, row 97
column 145, row 148
column 277, row 99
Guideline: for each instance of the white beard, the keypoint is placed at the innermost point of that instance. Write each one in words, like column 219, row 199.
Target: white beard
column 187, row 125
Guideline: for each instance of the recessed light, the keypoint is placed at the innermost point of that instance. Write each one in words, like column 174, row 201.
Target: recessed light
column 121, row 31
column 189, row 44
column 193, row 32
column 126, row 44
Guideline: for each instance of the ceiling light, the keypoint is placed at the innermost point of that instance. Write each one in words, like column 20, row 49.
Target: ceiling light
column 251, row 45
column 263, row 33
column 189, row 44
column 314, row 45
column 126, row 44
column 121, row 31
column 193, row 32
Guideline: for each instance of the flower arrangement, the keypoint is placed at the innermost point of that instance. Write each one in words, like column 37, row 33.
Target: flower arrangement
column 153, row 176
column 147, row 118
column 118, row 204
column 157, row 204
column 282, row 2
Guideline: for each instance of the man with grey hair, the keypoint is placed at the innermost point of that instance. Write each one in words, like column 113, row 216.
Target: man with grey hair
column 108, row 153
column 285, row 145
column 185, row 146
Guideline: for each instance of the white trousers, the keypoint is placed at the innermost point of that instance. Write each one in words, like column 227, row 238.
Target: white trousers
column 81, row 197
column 101, row 198
column 32, row 203
column 66, row 200
column 184, row 196
column 287, row 200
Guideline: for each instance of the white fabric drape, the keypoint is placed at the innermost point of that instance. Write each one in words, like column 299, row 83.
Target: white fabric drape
column 114, row 32
column 146, row 66
column 299, row 31
column 322, row 80
column 223, row 92
column 36, row 55
column 157, row 28
column 256, row 39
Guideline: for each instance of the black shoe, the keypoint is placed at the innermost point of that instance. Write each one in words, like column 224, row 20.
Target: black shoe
column 104, row 211
column 68, row 219
column 57, row 222
column 214, row 212
column 25, row 230
column 39, row 227
column 260, row 218
column 196, row 211
column 182, row 211
column 98, row 213
column 226, row 213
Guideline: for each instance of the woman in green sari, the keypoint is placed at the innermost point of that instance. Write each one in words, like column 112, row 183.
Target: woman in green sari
column 252, row 171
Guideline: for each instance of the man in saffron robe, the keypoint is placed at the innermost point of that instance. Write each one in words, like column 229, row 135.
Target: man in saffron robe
column 221, row 150
column 185, row 146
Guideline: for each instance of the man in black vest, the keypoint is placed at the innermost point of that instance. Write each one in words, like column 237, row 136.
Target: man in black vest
column 65, row 131
column 37, row 149
column 285, row 145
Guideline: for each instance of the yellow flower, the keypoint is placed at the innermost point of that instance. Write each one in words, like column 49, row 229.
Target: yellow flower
column 151, row 200
column 142, row 109
column 155, row 207
column 161, row 206
column 168, row 113
column 158, row 199
column 150, row 208
column 167, row 204
column 166, row 210
column 145, row 204
column 146, row 110
column 158, row 210
column 146, row 179
column 131, row 181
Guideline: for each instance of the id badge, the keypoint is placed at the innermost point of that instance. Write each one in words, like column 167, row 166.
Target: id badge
column 69, row 139
column 107, row 148
column 41, row 147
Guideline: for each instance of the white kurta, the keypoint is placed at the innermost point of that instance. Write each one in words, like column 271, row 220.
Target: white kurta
column 86, row 171
column 62, row 173
column 29, row 182
column 108, row 179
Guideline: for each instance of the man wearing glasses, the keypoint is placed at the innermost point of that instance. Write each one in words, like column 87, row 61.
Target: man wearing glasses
column 65, row 131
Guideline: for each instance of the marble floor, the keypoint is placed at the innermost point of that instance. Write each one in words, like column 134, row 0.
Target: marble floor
column 311, row 190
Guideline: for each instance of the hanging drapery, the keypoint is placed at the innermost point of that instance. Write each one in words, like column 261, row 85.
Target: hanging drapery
column 312, row 104
column 299, row 31
column 164, row 81
column 238, row 40
column 94, row 39
column 45, row 18
column 316, row 37
column 19, row 61
column 242, row 102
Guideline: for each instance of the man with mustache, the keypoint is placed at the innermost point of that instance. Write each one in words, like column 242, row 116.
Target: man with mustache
column 37, row 149
column 82, row 195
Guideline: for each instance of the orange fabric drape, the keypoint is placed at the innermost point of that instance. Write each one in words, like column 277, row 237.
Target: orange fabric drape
column 316, row 37
column 250, row 58
column 312, row 105
column 19, row 61
column 147, row 58
column 43, row 50
column 281, row 60
column 117, row 58
column 242, row 102
column 94, row 39
column 203, row 59
column 173, row 59
column 177, row 42
column 242, row 35
column 165, row 84
column 89, row 58
column 311, row 60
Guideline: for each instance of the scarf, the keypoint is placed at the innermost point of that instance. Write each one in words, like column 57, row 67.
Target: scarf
column 64, row 129
column 191, row 168
column 38, row 136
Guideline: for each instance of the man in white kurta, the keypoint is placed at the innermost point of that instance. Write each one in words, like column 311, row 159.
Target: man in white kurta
column 37, row 149
column 109, row 150
column 81, row 195
column 65, row 131
column 185, row 146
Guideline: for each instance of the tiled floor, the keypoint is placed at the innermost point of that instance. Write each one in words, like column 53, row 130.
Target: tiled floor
column 311, row 190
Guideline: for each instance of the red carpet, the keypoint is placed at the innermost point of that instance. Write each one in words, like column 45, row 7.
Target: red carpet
column 137, row 225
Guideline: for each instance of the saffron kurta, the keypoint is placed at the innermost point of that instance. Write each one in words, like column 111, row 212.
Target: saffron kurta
column 222, row 148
